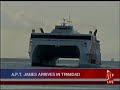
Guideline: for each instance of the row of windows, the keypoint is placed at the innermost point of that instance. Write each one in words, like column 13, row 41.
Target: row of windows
column 61, row 37
column 63, row 27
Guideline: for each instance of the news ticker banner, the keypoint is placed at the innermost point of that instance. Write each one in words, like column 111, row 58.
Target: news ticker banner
column 54, row 76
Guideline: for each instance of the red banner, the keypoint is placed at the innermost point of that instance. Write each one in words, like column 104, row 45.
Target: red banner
column 79, row 76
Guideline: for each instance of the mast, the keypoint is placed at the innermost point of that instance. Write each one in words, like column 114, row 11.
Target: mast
column 69, row 17
column 69, row 21
column 64, row 22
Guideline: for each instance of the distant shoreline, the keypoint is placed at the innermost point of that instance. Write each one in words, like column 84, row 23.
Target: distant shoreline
column 14, row 58
column 66, row 59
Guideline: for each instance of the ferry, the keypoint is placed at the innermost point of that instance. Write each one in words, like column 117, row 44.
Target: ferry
column 64, row 42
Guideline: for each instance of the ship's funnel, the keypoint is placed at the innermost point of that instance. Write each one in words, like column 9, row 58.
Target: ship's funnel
column 95, row 32
column 41, row 30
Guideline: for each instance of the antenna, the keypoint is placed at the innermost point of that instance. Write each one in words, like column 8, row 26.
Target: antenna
column 42, row 22
column 64, row 21
column 69, row 21
column 69, row 14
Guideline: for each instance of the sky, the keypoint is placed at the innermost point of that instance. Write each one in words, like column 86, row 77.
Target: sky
column 18, row 18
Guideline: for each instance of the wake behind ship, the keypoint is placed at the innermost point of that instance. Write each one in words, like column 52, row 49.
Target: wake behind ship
column 64, row 42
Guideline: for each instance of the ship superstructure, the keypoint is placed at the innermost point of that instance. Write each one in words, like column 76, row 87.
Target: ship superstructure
column 64, row 42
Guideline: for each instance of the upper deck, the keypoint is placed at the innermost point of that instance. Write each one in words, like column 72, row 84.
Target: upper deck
column 64, row 28
column 64, row 31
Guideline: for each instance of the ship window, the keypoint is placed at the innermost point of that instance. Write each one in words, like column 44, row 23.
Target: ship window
column 63, row 28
